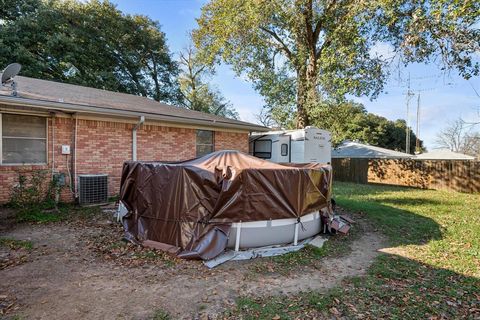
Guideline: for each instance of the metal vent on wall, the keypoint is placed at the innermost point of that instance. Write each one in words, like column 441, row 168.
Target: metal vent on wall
column 93, row 188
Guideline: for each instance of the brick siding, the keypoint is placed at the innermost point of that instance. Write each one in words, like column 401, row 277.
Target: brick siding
column 231, row 141
column 103, row 146
column 165, row 143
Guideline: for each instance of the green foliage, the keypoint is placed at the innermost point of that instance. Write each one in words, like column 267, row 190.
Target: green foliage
column 88, row 43
column 32, row 189
column 16, row 244
column 347, row 121
column 197, row 94
column 161, row 315
column 39, row 214
column 351, row 121
column 297, row 53
column 34, row 194
column 431, row 30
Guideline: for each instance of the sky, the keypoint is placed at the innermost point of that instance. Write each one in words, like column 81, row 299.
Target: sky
column 443, row 97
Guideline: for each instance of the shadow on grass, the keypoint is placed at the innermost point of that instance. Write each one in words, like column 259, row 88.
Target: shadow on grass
column 422, row 202
column 395, row 287
column 401, row 226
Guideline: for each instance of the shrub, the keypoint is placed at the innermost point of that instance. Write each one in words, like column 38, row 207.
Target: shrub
column 34, row 193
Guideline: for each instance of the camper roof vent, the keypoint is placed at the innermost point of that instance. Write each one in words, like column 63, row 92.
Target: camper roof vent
column 93, row 189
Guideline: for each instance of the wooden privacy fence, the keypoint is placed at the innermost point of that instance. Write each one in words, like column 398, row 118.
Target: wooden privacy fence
column 455, row 175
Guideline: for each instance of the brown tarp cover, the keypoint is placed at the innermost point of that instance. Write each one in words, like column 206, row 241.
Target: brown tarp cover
column 190, row 205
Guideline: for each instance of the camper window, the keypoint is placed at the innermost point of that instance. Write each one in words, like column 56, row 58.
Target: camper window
column 262, row 149
column 204, row 142
column 284, row 149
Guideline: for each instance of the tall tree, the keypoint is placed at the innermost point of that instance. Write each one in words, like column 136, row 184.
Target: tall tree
column 297, row 52
column 351, row 121
column 196, row 92
column 459, row 136
column 62, row 40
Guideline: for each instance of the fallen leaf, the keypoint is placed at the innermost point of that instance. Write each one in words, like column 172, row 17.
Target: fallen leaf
column 334, row 311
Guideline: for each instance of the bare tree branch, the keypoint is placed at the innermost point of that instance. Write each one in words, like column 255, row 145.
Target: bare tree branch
column 459, row 137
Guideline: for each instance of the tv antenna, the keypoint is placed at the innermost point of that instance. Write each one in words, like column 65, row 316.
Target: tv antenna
column 417, row 143
column 8, row 74
column 409, row 95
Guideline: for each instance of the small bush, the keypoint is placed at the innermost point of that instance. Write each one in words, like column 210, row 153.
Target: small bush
column 161, row 315
column 33, row 195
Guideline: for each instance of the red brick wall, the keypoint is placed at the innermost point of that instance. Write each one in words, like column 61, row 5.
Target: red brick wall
column 62, row 131
column 9, row 174
column 9, row 178
column 103, row 146
column 231, row 141
column 165, row 143
column 62, row 135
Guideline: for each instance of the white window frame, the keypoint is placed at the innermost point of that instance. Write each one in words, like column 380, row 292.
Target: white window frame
column 46, row 141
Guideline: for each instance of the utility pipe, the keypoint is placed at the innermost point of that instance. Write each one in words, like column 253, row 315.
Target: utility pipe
column 134, row 138
column 53, row 143
column 75, row 184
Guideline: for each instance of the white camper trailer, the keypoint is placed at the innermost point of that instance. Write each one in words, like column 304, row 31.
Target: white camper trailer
column 296, row 146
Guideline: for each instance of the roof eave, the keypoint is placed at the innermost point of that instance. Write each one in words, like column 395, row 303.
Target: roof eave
column 75, row 108
column 371, row 157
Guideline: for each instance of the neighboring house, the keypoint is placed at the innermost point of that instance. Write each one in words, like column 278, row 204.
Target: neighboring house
column 443, row 154
column 77, row 130
column 353, row 149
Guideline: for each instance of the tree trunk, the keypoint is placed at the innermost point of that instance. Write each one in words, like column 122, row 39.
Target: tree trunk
column 307, row 95
column 302, row 117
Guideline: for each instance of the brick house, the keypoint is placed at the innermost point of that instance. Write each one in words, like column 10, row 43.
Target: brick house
column 40, row 120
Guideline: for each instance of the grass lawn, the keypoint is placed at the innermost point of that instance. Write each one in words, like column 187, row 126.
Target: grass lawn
column 47, row 213
column 430, row 270
column 16, row 244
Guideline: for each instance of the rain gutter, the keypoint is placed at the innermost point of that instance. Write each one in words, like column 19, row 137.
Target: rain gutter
column 134, row 137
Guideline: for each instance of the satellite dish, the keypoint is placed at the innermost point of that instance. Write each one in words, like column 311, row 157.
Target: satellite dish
column 10, row 72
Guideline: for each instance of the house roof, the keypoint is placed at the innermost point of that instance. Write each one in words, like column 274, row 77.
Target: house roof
column 352, row 149
column 73, row 98
column 443, row 154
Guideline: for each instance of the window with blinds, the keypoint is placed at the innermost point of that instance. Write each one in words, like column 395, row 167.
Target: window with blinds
column 204, row 142
column 24, row 139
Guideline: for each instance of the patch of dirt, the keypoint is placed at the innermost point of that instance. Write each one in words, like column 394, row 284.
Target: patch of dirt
column 329, row 272
column 80, row 270
column 7, row 219
column 10, row 257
